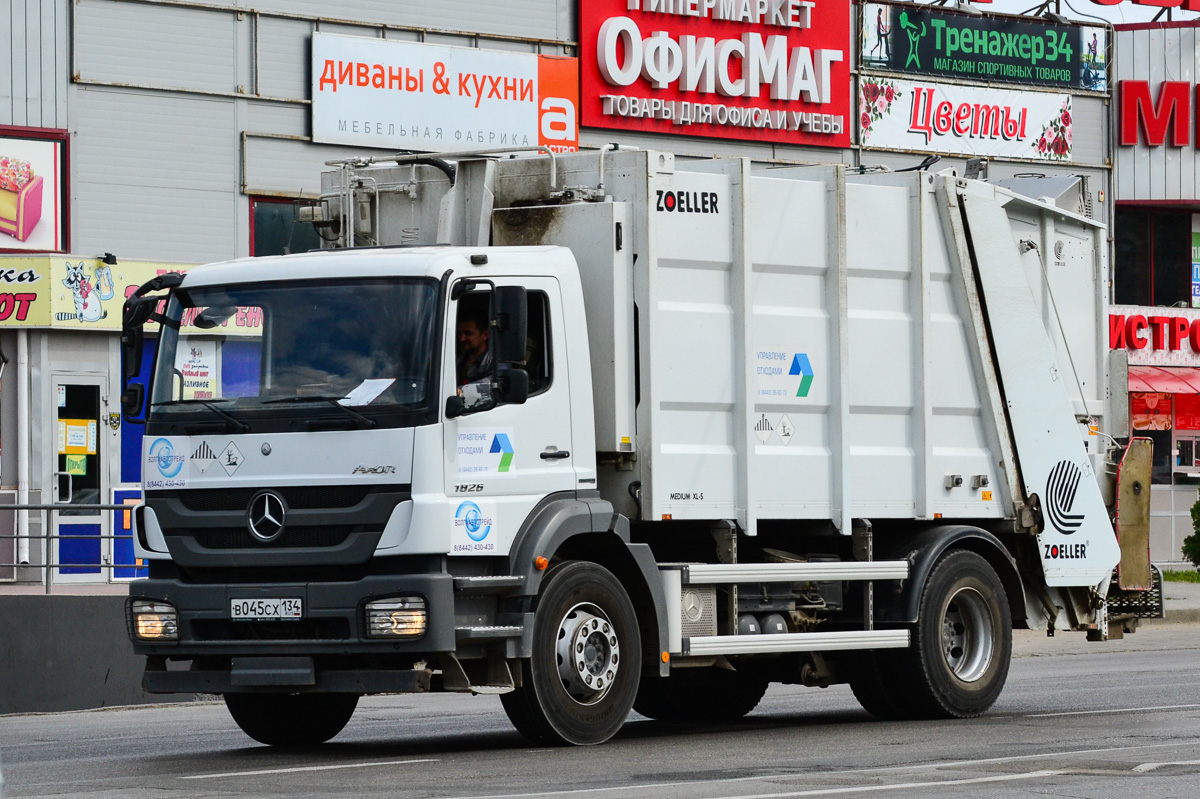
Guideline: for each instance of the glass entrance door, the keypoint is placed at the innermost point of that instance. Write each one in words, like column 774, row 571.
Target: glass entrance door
column 79, row 478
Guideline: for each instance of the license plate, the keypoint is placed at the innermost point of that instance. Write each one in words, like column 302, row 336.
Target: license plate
column 265, row 609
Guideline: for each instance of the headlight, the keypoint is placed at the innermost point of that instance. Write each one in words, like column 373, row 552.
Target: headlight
column 153, row 620
column 398, row 617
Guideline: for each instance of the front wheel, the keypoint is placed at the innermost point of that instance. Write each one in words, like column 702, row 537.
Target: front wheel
column 962, row 643
column 291, row 719
column 581, row 679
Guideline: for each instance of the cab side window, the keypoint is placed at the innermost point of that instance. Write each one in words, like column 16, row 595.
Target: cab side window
column 538, row 361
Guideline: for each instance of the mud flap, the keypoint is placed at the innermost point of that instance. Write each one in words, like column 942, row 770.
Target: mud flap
column 1133, row 516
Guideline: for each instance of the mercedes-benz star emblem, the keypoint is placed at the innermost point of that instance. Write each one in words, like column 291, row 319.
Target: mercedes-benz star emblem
column 265, row 516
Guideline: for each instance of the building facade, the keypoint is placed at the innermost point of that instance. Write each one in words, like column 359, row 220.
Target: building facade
column 1156, row 264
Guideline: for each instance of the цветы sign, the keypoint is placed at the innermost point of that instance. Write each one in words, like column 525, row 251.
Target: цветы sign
column 409, row 96
column 936, row 117
column 758, row 70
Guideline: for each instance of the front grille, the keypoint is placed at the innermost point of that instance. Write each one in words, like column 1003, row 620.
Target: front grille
column 298, row 630
column 296, row 497
column 241, row 538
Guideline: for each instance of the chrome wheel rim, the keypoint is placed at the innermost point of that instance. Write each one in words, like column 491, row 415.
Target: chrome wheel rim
column 968, row 639
column 588, row 653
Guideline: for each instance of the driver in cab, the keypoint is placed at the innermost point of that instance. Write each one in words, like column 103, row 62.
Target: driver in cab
column 473, row 363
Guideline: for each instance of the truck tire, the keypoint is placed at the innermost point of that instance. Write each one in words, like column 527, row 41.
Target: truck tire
column 962, row 643
column 579, row 684
column 701, row 695
column 874, row 679
column 291, row 719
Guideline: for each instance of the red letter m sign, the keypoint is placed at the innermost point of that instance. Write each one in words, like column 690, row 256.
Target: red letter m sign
column 1173, row 108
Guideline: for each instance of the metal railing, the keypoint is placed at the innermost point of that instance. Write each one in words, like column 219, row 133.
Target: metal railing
column 48, row 537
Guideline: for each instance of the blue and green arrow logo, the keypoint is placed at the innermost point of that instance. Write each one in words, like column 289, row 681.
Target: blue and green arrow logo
column 801, row 366
column 501, row 444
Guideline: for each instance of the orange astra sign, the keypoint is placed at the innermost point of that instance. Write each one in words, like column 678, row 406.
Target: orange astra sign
column 558, row 103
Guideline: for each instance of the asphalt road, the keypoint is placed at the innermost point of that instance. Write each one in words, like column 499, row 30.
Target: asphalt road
column 1083, row 720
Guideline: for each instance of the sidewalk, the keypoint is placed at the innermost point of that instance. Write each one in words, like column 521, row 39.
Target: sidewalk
column 1181, row 602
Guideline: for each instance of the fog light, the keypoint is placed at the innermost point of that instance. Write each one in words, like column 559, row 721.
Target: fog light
column 398, row 617
column 154, row 620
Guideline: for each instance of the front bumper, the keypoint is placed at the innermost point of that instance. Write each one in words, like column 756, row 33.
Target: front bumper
column 332, row 625
column 294, row 674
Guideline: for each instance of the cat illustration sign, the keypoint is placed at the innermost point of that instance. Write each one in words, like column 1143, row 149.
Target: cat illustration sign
column 71, row 292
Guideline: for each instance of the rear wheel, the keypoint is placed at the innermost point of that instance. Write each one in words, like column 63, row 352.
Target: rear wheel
column 580, row 682
column 706, row 694
column 962, row 643
column 291, row 719
column 875, row 678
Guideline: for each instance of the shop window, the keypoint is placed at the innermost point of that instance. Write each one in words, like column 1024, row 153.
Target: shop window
column 1150, row 415
column 1187, row 434
column 1153, row 263
column 274, row 229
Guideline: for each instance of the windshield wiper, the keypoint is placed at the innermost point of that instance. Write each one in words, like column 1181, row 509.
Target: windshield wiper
column 327, row 398
column 238, row 424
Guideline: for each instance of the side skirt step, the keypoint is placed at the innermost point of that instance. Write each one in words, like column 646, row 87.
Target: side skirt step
column 794, row 642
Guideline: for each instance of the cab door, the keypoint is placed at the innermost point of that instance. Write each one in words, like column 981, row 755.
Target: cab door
column 500, row 463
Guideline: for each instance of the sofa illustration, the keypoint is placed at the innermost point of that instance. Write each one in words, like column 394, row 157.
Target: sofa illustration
column 20, row 198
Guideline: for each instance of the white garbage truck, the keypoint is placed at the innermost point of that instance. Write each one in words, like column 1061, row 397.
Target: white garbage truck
column 615, row 431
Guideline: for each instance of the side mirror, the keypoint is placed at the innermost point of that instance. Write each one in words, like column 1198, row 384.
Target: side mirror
column 512, row 386
column 132, row 400
column 132, row 342
column 137, row 311
column 510, row 323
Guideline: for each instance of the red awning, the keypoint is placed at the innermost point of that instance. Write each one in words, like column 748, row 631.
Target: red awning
column 1165, row 379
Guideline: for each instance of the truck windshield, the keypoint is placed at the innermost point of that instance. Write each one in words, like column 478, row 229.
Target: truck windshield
column 359, row 351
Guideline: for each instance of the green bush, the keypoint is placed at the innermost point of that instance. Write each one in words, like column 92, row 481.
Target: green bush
column 1191, row 544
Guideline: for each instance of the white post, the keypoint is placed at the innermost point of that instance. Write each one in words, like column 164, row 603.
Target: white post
column 23, row 444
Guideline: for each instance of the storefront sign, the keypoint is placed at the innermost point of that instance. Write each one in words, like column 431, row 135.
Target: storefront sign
column 423, row 97
column 1195, row 263
column 918, row 39
column 1185, row 5
column 1155, row 336
column 964, row 120
column 1149, row 410
column 1187, row 412
column 32, row 200
column 770, row 70
column 70, row 292
column 1156, row 99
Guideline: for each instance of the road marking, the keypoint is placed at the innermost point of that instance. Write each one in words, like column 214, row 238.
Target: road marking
column 1144, row 767
column 1114, row 710
column 334, row 767
column 642, row 787
column 1029, row 775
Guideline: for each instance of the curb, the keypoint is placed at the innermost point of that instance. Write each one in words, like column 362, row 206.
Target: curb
column 1179, row 616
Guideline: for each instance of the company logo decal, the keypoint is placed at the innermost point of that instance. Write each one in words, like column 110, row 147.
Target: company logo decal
column 688, row 202
column 163, row 457
column 501, row 444
column 801, row 366
column 470, row 518
column 1061, row 486
column 266, row 515
column 484, row 452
